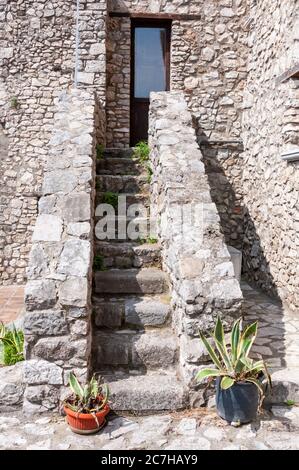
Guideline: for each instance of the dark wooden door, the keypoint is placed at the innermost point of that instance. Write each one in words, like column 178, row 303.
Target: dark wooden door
column 150, row 70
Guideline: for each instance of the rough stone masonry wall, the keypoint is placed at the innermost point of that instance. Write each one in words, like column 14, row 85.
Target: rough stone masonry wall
column 208, row 63
column 194, row 251
column 58, row 291
column 37, row 49
column 270, row 127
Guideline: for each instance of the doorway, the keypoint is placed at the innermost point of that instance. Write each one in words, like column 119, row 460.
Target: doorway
column 150, row 70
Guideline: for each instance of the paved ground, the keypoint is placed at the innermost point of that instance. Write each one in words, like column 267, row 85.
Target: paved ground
column 11, row 302
column 199, row 429
column 278, row 342
column 278, row 335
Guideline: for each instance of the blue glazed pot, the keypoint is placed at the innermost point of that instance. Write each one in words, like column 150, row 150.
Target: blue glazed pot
column 238, row 403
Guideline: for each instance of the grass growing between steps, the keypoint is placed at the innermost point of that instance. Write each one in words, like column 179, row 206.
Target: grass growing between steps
column 142, row 155
column 148, row 240
column 100, row 151
column 110, row 198
column 98, row 263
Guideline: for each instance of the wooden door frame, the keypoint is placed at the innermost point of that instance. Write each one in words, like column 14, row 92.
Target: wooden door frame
column 148, row 23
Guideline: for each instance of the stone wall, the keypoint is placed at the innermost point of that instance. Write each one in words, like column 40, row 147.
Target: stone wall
column 270, row 126
column 37, row 49
column 208, row 63
column 58, row 291
column 224, row 166
column 194, row 252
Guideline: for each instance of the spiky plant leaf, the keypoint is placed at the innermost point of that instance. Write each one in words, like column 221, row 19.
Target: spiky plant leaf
column 226, row 382
column 105, row 393
column 211, row 351
column 75, row 386
column 204, row 373
column 94, row 387
column 235, row 338
column 221, row 345
column 257, row 383
column 247, row 340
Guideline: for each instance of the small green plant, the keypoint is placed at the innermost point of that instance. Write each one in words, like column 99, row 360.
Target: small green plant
column 110, row 198
column 149, row 240
column 149, row 174
column 232, row 362
column 142, row 151
column 98, row 263
column 100, row 151
column 142, row 154
column 11, row 345
column 14, row 104
column 290, row 402
column 90, row 398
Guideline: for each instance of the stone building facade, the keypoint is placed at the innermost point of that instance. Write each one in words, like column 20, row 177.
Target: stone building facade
column 235, row 63
column 37, row 41
column 271, row 128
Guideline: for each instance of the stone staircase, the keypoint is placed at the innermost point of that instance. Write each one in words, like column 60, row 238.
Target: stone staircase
column 134, row 347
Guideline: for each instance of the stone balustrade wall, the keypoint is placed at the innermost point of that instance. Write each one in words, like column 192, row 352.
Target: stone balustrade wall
column 194, row 252
column 58, row 292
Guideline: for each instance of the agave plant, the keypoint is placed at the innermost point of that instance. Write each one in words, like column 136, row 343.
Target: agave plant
column 90, row 398
column 232, row 361
column 12, row 345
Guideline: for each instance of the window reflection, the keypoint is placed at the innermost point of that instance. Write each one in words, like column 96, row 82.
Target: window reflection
column 150, row 61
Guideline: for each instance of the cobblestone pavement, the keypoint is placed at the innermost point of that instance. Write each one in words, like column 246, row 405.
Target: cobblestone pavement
column 278, row 335
column 11, row 302
column 198, row 429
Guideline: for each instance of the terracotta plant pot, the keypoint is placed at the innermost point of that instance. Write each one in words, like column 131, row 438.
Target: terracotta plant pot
column 84, row 423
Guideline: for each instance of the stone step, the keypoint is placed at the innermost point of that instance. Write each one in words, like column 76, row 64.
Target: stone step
column 131, row 312
column 155, row 349
column 147, row 393
column 128, row 200
column 118, row 152
column 128, row 254
column 121, row 228
column 131, row 281
column 122, row 183
column 119, row 166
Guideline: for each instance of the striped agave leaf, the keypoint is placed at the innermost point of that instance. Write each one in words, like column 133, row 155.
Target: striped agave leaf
column 221, row 345
column 75, row 386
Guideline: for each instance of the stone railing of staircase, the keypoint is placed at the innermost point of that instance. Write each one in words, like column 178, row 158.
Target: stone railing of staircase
column 193, row 252
column 58, row 291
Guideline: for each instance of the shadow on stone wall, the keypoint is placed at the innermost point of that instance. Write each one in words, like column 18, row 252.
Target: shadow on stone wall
column 261, row 302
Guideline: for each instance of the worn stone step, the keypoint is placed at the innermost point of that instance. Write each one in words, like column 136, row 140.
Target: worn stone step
column 155, row 349
column 148, row 392
column 123, row 183
column 118, row 152
column 128, row 254
column 119, row 166
column 134, row 312
column 131, row 281
column 127, row 200
column 121, row 228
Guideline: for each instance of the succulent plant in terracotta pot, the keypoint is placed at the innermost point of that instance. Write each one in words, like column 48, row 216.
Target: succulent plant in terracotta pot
column 239, row 387
column 86, row 408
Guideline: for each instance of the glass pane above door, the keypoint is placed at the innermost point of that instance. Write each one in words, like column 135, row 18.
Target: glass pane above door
column 150, row 61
